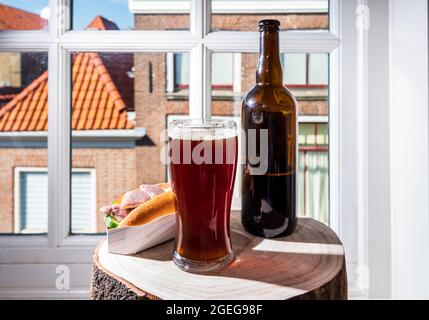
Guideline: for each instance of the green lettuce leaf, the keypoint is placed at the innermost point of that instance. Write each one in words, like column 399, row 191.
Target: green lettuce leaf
column 111, row 222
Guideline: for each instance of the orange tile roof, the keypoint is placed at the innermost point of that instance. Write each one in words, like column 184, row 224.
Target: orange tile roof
column 17, row 19
column 101, row 23
column 5, row 98
column 28, row 110
column 96, row 102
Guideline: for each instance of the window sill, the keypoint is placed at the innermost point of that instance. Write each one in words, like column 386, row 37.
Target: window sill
column 14, row 240
column 80, row 138
column 217, row 95
column 310, row 94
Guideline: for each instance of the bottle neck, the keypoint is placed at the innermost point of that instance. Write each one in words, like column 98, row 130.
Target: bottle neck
column 269, row 70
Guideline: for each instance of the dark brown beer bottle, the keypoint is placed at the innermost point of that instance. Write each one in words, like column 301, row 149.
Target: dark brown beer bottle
column 269, row 199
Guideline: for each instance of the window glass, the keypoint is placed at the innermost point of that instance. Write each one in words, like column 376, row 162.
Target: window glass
column 243, row 15
column 295, row 66
column 131, row 14
column 305, row 69
column 222, row 69
column 23, row 141
column 121, row 101
column 307, row 135
column 322, row 135
column 318, row 65
column 120, row 106
column 314, row 165
column 314, row 170
column 181, row 70
column 24, row 14
column 314, row 185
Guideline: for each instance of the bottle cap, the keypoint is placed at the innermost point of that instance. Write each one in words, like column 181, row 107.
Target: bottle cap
column 269, row 24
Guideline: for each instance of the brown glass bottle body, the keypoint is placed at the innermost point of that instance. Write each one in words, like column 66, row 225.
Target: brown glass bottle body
column 269, row 199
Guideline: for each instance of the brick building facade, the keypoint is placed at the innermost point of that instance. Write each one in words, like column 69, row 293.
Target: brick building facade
column 144, row 93
column 154, row 106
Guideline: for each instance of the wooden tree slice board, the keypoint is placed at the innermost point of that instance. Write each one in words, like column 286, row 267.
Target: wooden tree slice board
column 309, row 264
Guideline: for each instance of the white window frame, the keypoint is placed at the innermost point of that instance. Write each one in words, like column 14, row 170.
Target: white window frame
column 17, row 195
column 58, row 247
column 236, row 73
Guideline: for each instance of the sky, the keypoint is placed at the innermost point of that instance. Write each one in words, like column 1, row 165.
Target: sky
column 84, row 11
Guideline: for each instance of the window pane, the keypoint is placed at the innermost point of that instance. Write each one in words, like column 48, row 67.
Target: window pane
column 23, row 142
column 307, row 134
column 318, row 69
column 322, row 135
column 314, row 164
column 313, row 134
column 82, row 197
column 33, row 202
column 181, row 70
column 313, row 196
column 295, row 66
column 131, row 14
column 120, row 106
column 314, row 185
column 24, row 14
column 222, row 69
column 244, row 15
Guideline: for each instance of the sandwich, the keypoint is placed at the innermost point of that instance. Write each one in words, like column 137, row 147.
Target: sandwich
column 140, row 206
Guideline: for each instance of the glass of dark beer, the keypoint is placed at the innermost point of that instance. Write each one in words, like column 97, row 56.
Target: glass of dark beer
column 203, row 162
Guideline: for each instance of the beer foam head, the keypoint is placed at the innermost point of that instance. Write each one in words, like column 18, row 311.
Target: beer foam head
column 201, row 129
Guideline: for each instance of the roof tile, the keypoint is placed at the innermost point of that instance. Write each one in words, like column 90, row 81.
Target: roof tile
column 101, row 23
column 96, row 102
column 17, row 19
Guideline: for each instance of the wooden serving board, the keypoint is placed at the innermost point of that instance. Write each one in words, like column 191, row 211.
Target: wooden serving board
column 309, row 264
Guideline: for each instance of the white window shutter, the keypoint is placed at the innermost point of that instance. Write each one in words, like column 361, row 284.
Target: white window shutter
column 33, row 202
column 181, row 69
column 82, row 206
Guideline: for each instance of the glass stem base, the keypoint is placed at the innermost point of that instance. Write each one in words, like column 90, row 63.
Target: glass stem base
column 201, row 266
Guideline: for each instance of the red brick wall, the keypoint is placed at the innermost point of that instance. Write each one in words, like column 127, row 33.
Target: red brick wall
column 115, row 174
column 9, row 159
column 151, row 111
column 161, row 22
column 248, row 22
column 242, row 22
